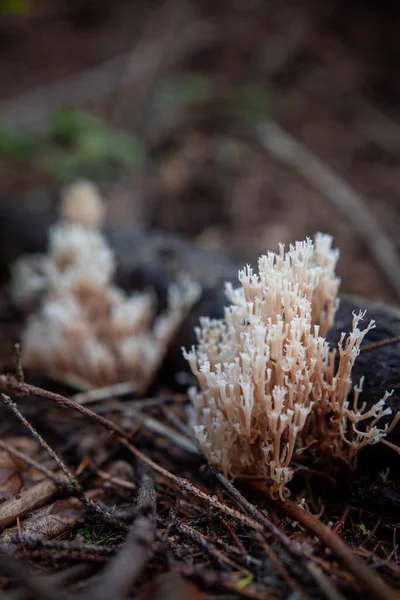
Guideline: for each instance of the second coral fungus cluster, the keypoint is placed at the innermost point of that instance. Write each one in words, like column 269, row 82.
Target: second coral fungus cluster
column 81, row 325
column 269, row 388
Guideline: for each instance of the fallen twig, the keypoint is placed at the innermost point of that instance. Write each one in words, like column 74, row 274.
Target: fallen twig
column 12, row 406
column 381, row 344
column 34, row 497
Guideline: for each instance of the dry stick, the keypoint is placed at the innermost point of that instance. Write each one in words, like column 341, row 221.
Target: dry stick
column 293, row 547
column 174, row 436
column 52, row 556
column 130, row 561
column 369, row 580
column 19, row 373
column 285, row 148
column 381, row 344
column 187, row 486
column 240, row 546
column 11, row 384
column 13, row 407
column 128, row 485
column 34, row 497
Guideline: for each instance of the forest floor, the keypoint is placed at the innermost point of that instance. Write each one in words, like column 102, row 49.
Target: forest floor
column 237, row 127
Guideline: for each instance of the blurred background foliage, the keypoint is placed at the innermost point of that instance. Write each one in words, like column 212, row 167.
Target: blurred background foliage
column 163, row 103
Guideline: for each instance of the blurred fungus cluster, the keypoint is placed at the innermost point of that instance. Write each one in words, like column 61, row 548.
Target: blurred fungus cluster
column 80, row 325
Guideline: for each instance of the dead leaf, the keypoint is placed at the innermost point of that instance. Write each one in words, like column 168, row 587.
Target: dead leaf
column 48, row 523
column 10, row 477
column 24, row 444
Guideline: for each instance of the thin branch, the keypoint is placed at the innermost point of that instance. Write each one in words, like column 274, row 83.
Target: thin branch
column 381, row 344
column 13, row 407
column 34, row 540
column 187, row 486
column 174, row 436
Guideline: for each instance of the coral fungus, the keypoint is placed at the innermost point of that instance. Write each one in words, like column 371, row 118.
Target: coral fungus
column 269, row 387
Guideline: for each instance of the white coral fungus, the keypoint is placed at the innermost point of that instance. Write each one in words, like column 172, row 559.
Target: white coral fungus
column 81, row 203
column 269, row 389
column 84, row 328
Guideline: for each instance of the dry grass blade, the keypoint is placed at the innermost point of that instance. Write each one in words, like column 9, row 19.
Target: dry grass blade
column 104, row 393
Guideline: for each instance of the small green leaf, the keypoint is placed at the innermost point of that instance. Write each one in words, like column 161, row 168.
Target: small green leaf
column 364, row 530
column 242, row 583
column 86, row 534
